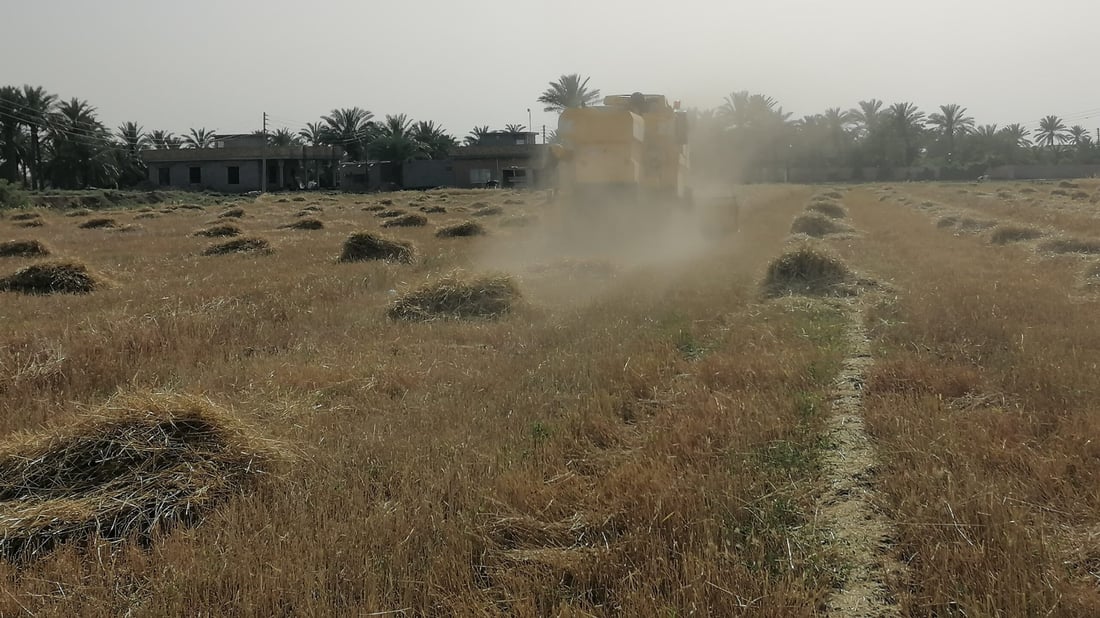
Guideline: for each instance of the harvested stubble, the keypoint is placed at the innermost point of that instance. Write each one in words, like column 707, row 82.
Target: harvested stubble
column 51, row 278
column 1027, row 190
column 1005, row 234
column 948, row 221
column 817, row 225
column 466, row 228
column 30, row 223
column 833, row 195
column 432, row 209
column 1092, row 276
column 488, row 211
column 389, row 214
column 298, row 199
column 513, row 202
column 24, row 216
column 305, row 224
column 147, row 215
column 23, row 248
column 1080, row 195
column 829, row 209
column 190, row 207
column 1071, row 245
column 966, row 224
column 98, row 223
column 519, row 221
column 312, row 208
column 134, row 468
column 239, row 245
column 386, row 202
column 1060, row 192
column 1065, row 184
column 79, row 212
column 363, row 246
column 374, row 208
column 413, row 219
column 456, row 297
column 592, row 267
column 805, row 271
column 219, row 231
column 232, row 213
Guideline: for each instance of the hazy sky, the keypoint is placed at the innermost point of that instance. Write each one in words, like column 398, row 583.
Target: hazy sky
column 220, row 64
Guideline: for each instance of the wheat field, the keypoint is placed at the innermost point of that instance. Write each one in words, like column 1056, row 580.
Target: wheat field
column 639, row 423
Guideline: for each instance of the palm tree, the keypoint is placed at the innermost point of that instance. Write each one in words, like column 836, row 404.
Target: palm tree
column 199, row 138
column 11, row 151
column 866, row 116
column 837, row 122
column 350, row 128
column 1078, row 136
column 435, row 142
column 164, row 140
column 313, row 134
column 568, row 91
column 951, row 120
column 1052, row 131
column 394, row 142
column 515, row 128
column 133, row 140
column 907, row 123
column 82, row 153
column 476, row 135
column 283, row 137
column 37, row 104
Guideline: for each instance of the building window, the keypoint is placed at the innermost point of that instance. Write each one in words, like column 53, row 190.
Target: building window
column 233, row 173
column 164, row 176
column 195, row 175
column 479, row 177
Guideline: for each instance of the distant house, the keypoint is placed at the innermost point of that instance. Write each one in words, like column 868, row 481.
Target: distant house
column 233, row 164
column 508, row 158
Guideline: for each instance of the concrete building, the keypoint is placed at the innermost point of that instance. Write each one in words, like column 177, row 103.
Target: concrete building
column 516, row 165
column 234, row 163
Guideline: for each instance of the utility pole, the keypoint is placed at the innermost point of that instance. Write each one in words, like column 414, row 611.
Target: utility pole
column 263, row 160
column 544, row 134
column 529, row 127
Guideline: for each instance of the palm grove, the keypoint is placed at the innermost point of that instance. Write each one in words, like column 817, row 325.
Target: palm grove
column 47, row 141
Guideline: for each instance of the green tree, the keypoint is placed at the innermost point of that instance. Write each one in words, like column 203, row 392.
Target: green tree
column 951, row 121
column 476, row 135
column 37, row 105
column 283, row 137
column 81, row 153
column 515, row 128
column 1052, row 132
column 394, row 142
column 133, row 139
column 350, row 128
column 313, row 134
column 199, row 138
column 435, row 142
column 569, row 91
column 164, row 140
column 907, row 125
column 12, row 156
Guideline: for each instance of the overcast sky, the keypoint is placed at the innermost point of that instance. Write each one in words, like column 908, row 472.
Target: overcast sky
column 221, row 64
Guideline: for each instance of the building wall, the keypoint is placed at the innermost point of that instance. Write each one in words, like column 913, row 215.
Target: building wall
column 464, row 167
column 425, row 174
column 214, row 175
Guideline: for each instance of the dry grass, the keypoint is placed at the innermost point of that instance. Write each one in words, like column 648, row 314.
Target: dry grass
column 232, row 213
column 364, row 246
column 1071, row 245
column 519, row 221
column 433, row 209
column 98, row 223
column 78, row 212
column 132, row 469
column 636, row 445
column 982, row 423
column 147, row 215
column 817, row 225
column 412, row 219
column 23, row 248
column 308, row 223
column 804, row 271
column 829, row 209
column 24, row 216
column 58, row 277
column 391, row 213
column 466, row 228
column 1005, row 234
column 487, row 211
column 458, row 296
column 249, row 244
column 220, row 230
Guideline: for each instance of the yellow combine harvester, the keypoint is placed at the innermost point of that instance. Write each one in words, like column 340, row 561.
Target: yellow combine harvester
column 632, row 148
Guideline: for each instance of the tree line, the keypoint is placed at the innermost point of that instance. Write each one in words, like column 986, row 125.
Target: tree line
column 46, row 141
column 753, row 134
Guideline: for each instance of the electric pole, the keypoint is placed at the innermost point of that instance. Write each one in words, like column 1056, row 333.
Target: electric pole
column 263, row 159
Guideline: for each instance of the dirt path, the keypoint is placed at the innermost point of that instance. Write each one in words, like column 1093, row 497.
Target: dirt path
column 859, row 533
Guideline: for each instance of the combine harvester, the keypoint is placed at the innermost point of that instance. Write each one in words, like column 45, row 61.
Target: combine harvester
column 624, row 163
